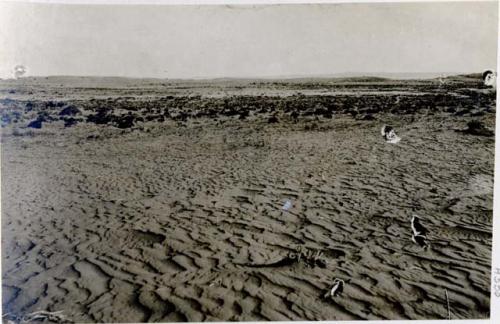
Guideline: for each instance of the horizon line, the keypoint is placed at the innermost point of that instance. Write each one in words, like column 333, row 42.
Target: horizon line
column 290, row 77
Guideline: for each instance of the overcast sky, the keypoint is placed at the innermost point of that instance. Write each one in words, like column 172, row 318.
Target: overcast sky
column 251, row 41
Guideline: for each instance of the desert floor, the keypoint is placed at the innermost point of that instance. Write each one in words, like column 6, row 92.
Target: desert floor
column 182, row 220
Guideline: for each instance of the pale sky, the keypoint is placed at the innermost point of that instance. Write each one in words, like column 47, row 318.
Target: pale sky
column 249, row 41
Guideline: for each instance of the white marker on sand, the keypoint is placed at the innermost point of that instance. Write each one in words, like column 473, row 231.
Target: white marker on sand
column 287, row 205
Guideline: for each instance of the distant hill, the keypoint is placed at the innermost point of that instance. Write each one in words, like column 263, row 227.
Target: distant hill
column 125, row 82
column 471, row 76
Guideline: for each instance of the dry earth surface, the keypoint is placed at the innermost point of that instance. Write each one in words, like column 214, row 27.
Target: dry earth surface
column 162, row 201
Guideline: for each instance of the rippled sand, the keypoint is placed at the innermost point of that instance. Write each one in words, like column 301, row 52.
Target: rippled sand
column 185, row 223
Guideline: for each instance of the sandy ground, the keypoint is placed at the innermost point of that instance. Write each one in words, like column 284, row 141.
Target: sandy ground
column 185, row 223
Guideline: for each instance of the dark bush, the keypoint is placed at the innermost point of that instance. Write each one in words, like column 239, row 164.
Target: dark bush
column 476, row 127
column 68, row 122
column 70, row 111
column 272, row 120
column 35, row 124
